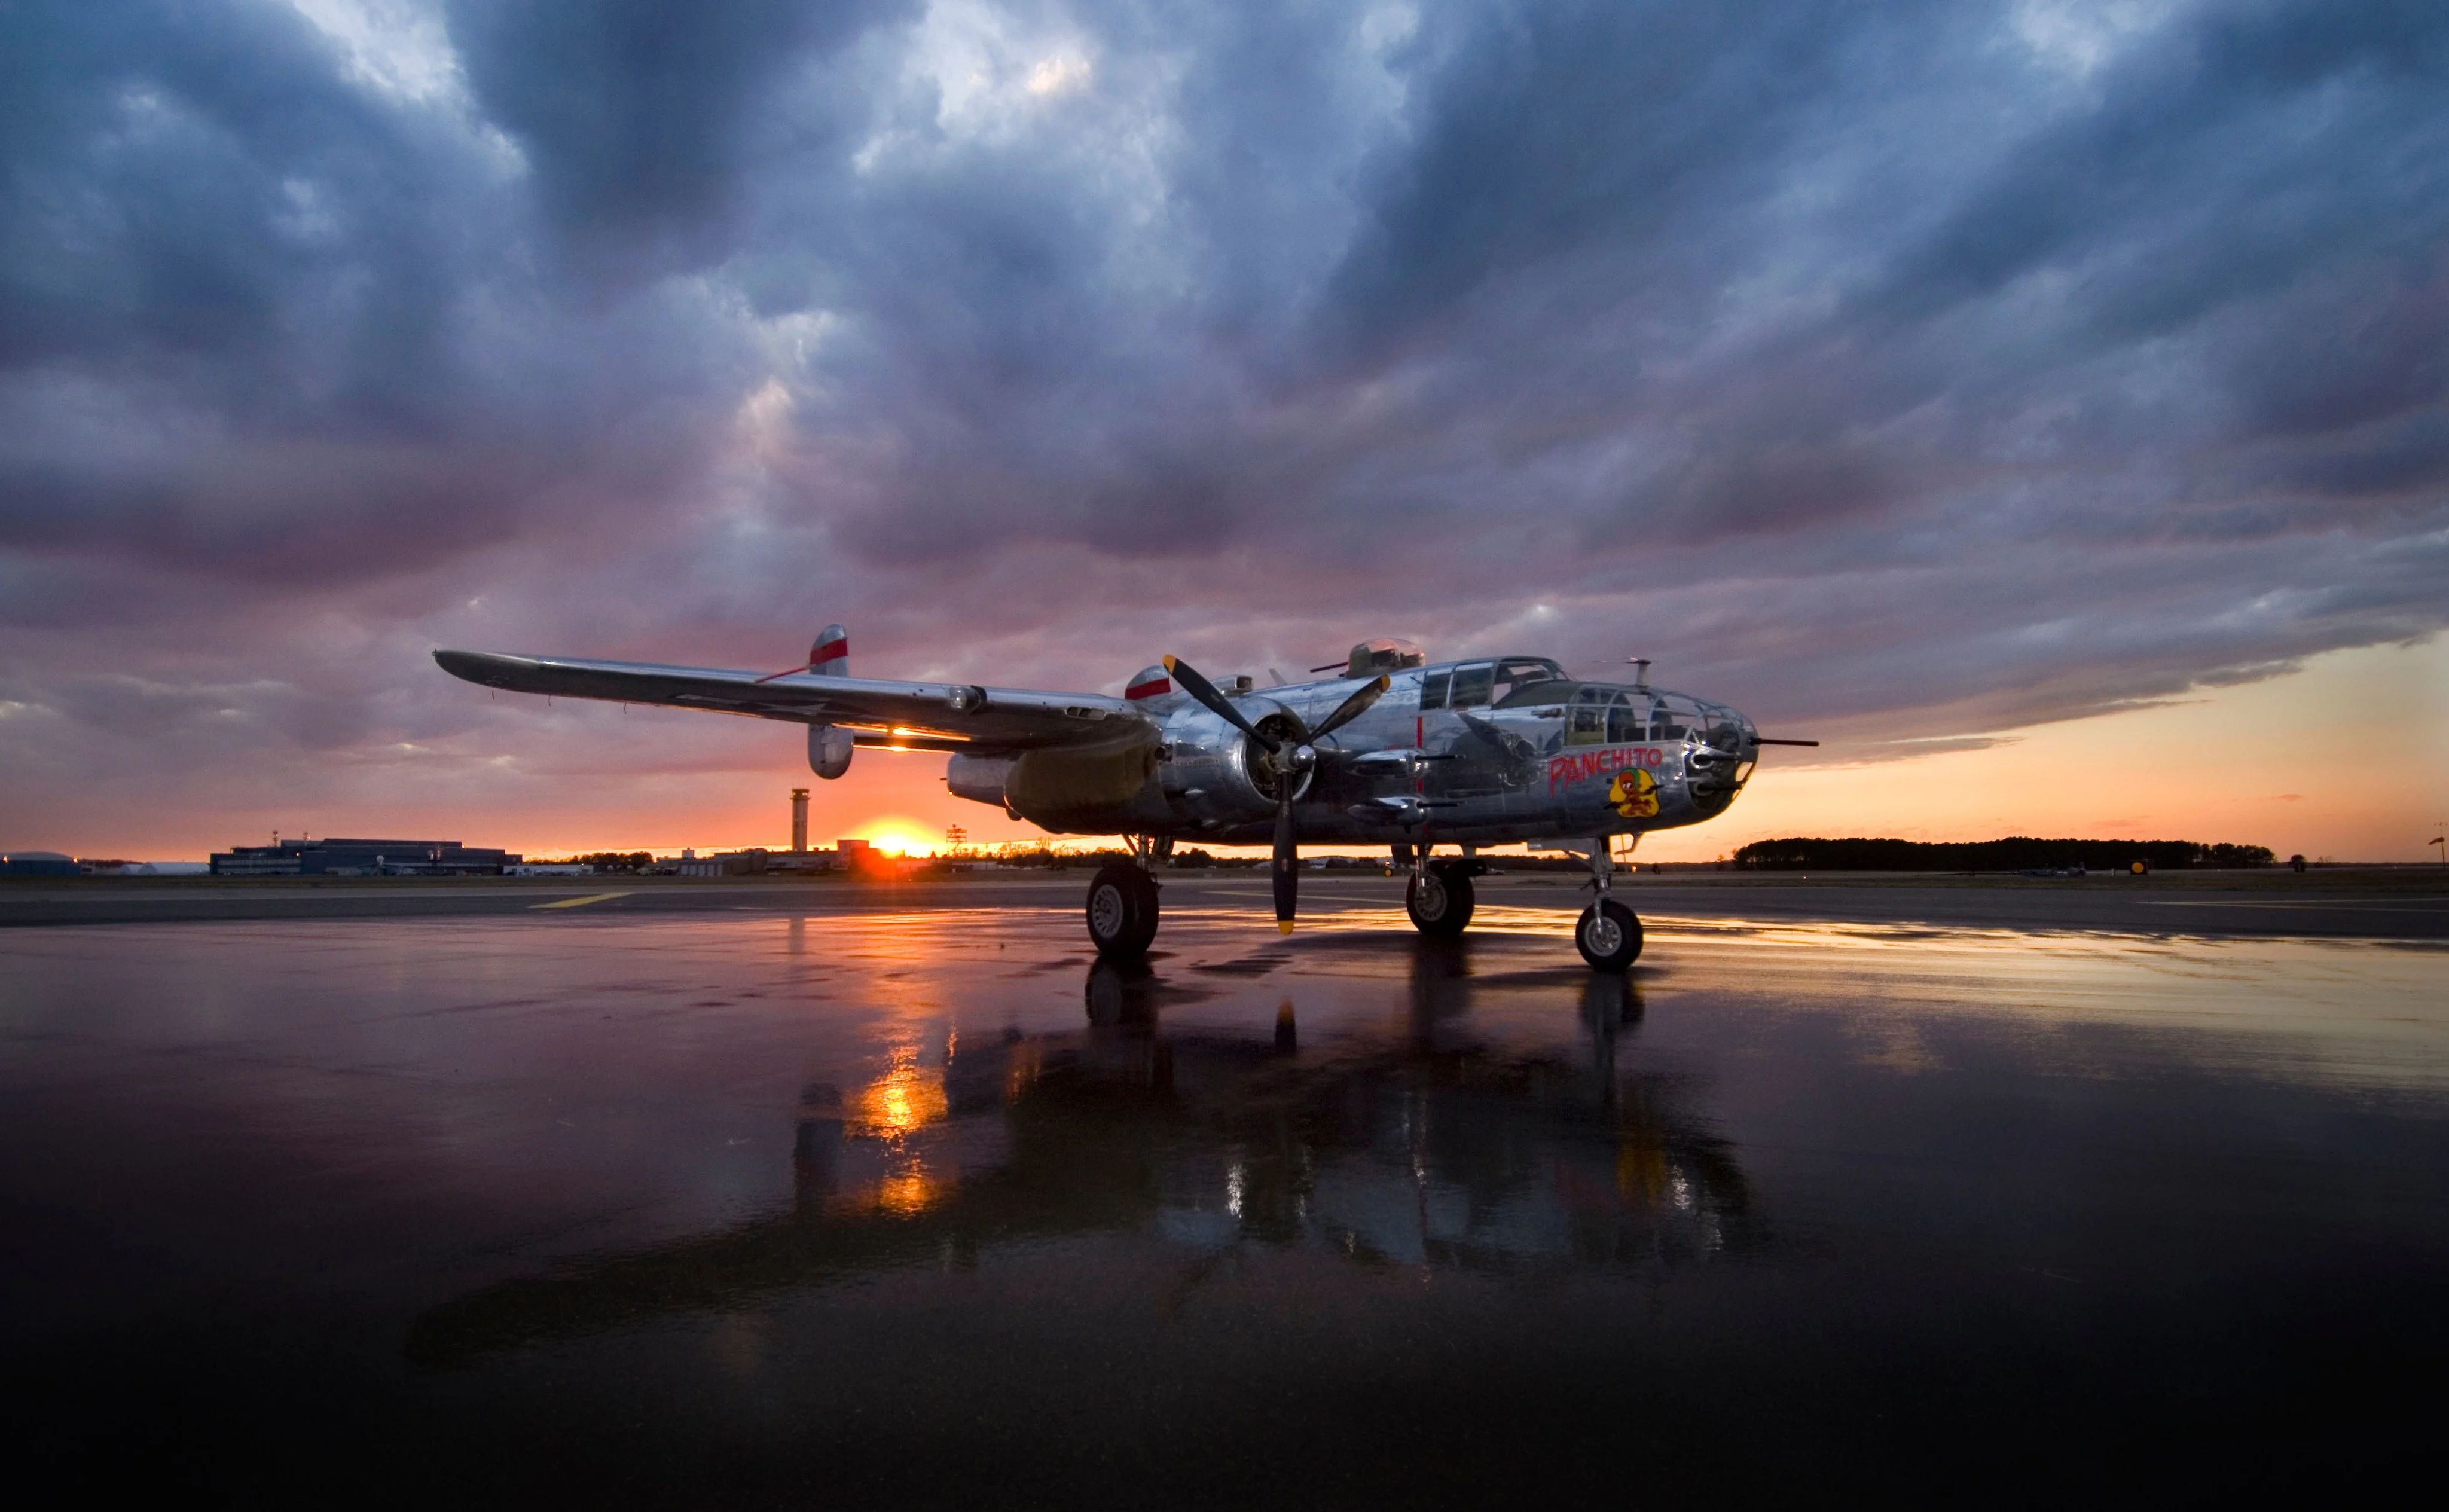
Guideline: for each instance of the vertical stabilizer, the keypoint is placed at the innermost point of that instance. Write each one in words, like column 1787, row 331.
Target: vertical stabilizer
column 1151, row 683
column 830, row 745
column 830, row 655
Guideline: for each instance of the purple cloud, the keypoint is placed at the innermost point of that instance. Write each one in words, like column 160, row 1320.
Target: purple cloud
column 1910, row 368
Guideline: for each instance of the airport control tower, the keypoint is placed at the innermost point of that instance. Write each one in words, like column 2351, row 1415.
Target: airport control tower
column 799, row 821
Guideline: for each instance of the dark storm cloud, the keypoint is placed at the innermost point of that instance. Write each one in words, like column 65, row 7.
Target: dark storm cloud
column 2239, row 151
column 1633, row 126
column 636, row 113
column 194, row 191
column 1930, row 366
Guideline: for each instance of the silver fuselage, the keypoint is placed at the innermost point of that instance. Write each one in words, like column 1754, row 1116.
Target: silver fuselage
column 1556, row 759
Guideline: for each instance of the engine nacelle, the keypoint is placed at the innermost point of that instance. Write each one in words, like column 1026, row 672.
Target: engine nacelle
column 1105, row 786
column 829, row 750
column 981, row 779
column 1214, row 771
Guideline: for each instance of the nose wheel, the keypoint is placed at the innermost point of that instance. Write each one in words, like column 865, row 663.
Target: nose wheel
column 1609, row 936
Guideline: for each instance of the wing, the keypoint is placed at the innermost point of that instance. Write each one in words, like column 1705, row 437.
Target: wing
column 915, row 716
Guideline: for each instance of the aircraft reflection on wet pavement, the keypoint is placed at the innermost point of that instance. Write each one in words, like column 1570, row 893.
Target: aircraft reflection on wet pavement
column 1423, row 1147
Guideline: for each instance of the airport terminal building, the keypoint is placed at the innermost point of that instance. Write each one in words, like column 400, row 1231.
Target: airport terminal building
column 361, row 859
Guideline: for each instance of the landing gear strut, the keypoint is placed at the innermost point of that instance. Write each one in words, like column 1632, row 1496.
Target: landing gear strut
column 1608, row 933
column 1123, row 905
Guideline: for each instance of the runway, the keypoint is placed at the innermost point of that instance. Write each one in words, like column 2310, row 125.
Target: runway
column 2395, row 903
column 792, row 1195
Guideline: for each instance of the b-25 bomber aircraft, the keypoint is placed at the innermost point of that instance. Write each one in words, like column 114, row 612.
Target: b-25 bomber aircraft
column 1390, row 751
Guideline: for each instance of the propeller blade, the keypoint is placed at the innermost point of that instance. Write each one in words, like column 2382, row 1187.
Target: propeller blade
column 1287, row 862
column 1351, row 708
column 1204, row 690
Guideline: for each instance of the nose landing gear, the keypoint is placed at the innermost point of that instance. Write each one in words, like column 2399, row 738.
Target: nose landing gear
column 1609, row 936
column 1608, row 933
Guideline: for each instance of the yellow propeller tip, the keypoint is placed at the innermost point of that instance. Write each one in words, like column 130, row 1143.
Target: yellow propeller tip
column 1168, row 664
column 1284, row 926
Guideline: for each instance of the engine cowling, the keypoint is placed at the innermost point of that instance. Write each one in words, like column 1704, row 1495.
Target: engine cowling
column 829, row 750
column 1214, row 771
column 981, row 779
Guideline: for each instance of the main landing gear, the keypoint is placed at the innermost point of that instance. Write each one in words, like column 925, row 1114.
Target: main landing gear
column 1122, row 902
column 1439, row 901
column 1439, row 897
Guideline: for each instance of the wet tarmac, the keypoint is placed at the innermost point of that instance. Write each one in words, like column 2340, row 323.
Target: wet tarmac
column 2383, row 902
column 755, row 1204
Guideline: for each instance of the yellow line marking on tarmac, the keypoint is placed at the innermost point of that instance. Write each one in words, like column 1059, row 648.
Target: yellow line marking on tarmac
column 580, row 903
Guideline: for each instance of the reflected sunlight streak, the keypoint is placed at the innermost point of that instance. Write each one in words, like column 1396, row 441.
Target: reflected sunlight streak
column 905, row 1098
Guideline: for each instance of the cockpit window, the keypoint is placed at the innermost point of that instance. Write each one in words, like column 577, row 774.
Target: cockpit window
column 1629, row 719
column 1472, row 685
column 1585, row 721
column 1601, row 713
column 1533, row 695
column 1518, row 673
column 1675, row 718
column 1432, row 689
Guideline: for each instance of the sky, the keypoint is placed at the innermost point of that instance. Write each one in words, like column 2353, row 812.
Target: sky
column 2045, row 404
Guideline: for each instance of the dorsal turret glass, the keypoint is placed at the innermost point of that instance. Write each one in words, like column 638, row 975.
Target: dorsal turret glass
column 1384, row 654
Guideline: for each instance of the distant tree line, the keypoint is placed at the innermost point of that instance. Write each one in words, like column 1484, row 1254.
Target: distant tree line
column 608, row 860
column 1195, row 859
column 2014, row 854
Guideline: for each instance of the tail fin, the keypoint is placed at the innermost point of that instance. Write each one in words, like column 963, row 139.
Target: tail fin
column 830, row 655
column 829, row 745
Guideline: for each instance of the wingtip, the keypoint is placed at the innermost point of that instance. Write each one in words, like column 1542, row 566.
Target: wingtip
column 487, row 668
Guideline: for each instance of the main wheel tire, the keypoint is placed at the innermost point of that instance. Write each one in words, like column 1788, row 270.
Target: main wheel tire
column 1609, row 936
column 1122, row 911
column 1440, row 901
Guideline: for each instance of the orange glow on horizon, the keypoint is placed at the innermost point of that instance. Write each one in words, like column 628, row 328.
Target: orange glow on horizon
column 2252, row 764
column 896, row 836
